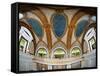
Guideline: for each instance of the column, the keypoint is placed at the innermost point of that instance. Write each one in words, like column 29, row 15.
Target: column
column 82, row 63
column 49, row 67
column 68, row 66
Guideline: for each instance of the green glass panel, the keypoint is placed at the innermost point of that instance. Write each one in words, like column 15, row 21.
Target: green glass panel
column 59, row 51
column 76, row 52
column 22, row 42
column 42, row 52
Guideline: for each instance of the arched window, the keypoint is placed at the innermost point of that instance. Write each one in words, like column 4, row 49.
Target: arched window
column 90, row 37
column 27, row 33
column 42, row 52
column 36, row 26
column 23, row 44
column 92, row 43
column 75, row 52
column 80, row 27
column 59, row 53
column 59, row 21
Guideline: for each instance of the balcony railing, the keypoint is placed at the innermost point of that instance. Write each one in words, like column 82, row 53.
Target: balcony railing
column 53, row 61
column 64, row 61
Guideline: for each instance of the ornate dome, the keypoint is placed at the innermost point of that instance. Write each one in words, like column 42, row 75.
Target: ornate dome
column 58, row 37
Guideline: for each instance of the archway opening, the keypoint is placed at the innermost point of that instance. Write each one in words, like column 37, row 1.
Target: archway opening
column 59, row 53
column 75, row 52
column 23, row 44
column 42, row 52
column 89, row 38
